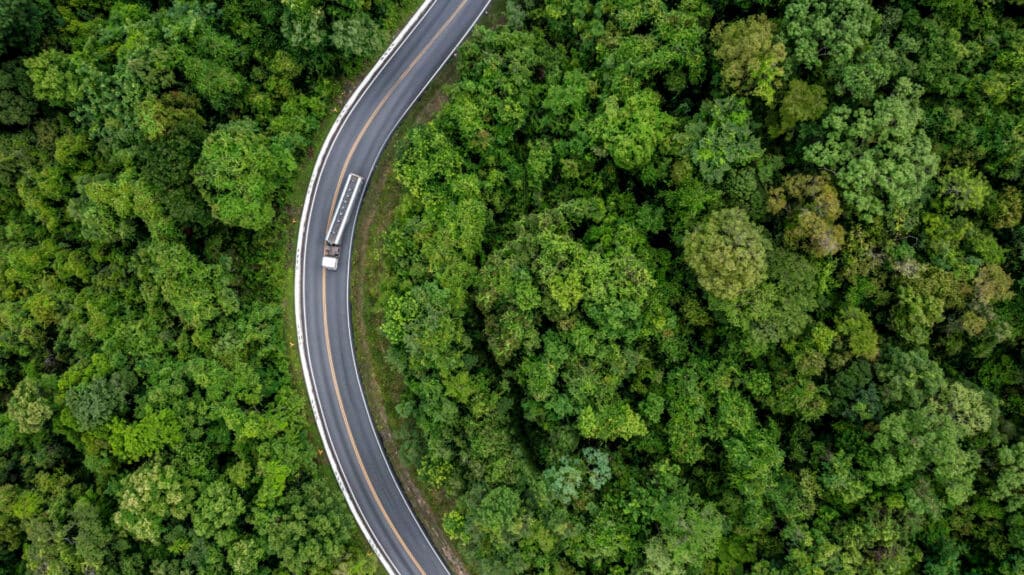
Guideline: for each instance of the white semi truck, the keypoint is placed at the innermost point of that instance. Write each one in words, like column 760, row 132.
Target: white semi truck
column 332, row 245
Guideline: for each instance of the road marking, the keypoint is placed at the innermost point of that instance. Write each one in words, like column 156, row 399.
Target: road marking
column 323, row 282
column 380, row 105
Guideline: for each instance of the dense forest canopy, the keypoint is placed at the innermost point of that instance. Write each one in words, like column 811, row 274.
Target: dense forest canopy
column 713, row 286
column 149, row 419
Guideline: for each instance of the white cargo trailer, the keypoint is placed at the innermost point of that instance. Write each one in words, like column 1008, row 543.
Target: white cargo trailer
column 332, row 245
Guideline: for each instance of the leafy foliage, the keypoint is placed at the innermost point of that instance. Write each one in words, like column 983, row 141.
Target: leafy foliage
column 728, row 253
column 758, row 310
column 148, row 418
column 751, row 57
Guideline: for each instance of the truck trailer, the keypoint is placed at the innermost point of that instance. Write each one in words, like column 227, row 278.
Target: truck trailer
column 332, row 244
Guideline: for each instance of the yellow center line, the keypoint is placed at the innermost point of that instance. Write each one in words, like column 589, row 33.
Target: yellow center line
column 323, row 283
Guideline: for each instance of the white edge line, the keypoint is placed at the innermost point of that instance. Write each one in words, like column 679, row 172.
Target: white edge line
column 299, row 261
column 359, row 205
column 324, row 152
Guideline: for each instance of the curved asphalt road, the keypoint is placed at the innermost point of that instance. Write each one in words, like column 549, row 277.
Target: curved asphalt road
column 322, row 304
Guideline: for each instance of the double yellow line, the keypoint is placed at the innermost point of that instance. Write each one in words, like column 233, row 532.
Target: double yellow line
column 323, row 283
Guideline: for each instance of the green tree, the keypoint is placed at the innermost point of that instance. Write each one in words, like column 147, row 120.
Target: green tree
column 357, row 38
column 834, row 31
column 145, row 420
column 752, row 58
column 756, row 408
column 241, row 173
column 691, row 532
column 777, row 311
column 882, row 158
column 728, row 253
column 28, row 407
column 22, row 23
column 96, row 402
column 813, row 207
column 721, row 138
column 802, row 102
column 945, row 414
column 632, row 132
column 498, row 519
column 1010, row 482
column 922, row 300
column 960, row 190
column 859, row 337
column 1006, row 209
column 196, row 291
column 16, row 90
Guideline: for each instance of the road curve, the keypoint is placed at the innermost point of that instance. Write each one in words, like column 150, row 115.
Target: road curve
column 321, row 297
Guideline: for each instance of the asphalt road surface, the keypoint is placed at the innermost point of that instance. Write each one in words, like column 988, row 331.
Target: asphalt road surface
column 322, row 298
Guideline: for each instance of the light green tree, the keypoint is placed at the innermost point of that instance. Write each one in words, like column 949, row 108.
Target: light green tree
column 241, row 173
column 728, row 253
column 751, row 56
